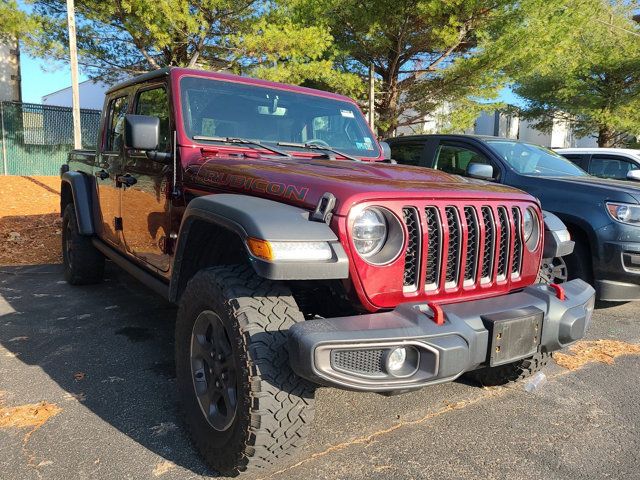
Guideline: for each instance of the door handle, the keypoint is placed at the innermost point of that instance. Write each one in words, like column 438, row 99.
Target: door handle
column 126, row 180
column 101, row 174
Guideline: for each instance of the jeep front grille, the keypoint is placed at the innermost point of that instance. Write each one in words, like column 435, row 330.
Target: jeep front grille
column 462, row 245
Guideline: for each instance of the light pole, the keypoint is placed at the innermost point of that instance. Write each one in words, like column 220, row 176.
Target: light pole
column 73, row 60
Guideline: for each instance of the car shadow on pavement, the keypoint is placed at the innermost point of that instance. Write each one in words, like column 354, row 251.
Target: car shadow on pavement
column 110, row 346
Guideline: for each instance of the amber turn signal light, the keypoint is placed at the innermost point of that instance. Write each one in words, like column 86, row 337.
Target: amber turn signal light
column 260, row 248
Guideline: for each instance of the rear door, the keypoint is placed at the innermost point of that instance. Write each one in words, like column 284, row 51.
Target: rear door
column 409, row 152
column 146, row 186
column 108, row 166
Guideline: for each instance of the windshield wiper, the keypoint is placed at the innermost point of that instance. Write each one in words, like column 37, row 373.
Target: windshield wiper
column 241, row 141
column 315, row 146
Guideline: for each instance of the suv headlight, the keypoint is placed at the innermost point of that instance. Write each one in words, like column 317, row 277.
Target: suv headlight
column 369, row 232
column 378, row 235
column 624, row 213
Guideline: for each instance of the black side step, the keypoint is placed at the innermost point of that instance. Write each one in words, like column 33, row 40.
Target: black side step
column 132, row 269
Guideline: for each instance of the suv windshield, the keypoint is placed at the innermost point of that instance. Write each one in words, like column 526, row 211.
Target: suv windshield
column 535, row 160
column 213, row 108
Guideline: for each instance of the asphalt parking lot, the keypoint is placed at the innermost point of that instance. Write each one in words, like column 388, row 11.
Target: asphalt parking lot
column 87, row 391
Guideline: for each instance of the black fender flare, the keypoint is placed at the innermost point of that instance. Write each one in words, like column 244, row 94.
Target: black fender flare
column 81, row 190
column 255, row 217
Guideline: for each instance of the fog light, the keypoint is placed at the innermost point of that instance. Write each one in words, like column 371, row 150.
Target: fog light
column 396, row 359
column 401, row 361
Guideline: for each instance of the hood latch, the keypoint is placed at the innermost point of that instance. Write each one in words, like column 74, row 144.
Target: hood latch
column 324, row 209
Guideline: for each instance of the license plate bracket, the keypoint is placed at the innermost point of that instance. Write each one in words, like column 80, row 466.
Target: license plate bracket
column 513, row 335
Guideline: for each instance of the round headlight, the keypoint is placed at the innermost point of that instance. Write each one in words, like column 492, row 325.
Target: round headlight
column 369, row 232
column 528, row 224
column 531, row 229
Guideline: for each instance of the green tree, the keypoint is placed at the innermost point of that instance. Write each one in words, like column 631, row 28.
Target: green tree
column 423, row 51
column 590, row 78
column 15, row 22
column 244, row 36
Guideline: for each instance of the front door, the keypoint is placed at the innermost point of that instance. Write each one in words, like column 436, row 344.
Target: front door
column 146, row 188
column 108, row 166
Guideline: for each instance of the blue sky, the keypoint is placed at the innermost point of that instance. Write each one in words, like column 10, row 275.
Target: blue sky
column 40, row 77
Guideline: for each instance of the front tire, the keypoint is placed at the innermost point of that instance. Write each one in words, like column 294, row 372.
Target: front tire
column 511, row 372
column 579, row 263
column 244, row 407
column 83, row 263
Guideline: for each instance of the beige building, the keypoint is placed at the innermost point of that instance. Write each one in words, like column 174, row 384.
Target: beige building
column 10, row 71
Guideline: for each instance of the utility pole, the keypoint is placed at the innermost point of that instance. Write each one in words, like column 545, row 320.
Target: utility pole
column 372, row 94
column 73, row 60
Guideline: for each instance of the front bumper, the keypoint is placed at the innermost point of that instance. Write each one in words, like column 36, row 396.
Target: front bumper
column 350, row 352
column 617, row 272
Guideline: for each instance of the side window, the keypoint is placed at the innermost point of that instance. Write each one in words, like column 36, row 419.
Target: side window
column 580, row 160
column 611, row 167
column 155, row 103
column 115, row 124
column 455, row 159
column 407, row 153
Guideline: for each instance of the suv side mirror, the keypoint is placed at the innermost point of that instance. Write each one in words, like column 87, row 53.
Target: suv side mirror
column 480, row 170
column 141, row 132
column 633, row 175
column 386, row 150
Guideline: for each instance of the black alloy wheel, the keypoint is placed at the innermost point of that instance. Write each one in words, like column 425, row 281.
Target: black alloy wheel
column 213, row 371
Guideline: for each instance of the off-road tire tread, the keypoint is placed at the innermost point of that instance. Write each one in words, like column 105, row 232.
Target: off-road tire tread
column 88, row 265
column 511, row 372
column 281, row 403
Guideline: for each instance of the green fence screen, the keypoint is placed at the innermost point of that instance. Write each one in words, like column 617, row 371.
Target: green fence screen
column 35, row 139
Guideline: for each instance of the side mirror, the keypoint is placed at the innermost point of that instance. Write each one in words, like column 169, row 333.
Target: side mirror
column 633, row 175
column 386, row 150
column 480, row 170
column 141, row 132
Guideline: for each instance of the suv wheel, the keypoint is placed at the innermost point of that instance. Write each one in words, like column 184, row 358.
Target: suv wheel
column 83, row 263
column 579, row 263
column 244, row 406
column 511, row 372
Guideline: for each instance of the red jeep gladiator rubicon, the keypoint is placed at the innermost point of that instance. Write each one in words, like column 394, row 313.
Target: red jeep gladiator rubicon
column 298, row 256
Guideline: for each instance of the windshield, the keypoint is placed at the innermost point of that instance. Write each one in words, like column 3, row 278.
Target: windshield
column 534, row 160
column 213, row 108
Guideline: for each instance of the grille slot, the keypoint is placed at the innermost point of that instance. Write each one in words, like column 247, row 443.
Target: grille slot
column 503, row 252
column 454, row 247
column 368, row 362
column 412, row 254
column 434, row 248
column 517, row 243
column 489, row 245
column 473, row 239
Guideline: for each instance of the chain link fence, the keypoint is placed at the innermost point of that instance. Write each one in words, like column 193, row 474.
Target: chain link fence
column 35, row 139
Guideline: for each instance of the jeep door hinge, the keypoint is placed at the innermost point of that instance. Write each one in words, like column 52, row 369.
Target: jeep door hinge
column 324, row 209
column 117, row 223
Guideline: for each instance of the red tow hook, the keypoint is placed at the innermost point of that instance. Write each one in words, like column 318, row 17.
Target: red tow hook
column 438, row 314
column 560, row 295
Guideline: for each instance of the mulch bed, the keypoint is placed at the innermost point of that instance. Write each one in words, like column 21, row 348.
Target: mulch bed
column 30, row 224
